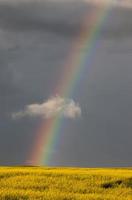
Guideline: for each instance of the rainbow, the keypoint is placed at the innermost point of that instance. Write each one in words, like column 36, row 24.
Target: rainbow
column 79, row 62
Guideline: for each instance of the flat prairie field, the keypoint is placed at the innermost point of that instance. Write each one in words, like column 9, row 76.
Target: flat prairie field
column 35, row 183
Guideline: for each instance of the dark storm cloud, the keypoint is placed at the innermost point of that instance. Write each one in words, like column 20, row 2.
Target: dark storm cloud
column 17, row 20
column 11, row 97
column 63, row 19
column 35, row 41
column 7, row 87
column 118, row 24
column 40, row 17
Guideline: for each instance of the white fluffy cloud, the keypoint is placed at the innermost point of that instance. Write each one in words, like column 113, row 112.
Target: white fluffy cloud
column 51, row 108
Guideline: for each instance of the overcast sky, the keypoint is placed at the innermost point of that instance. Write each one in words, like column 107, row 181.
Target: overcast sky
column 35, row 41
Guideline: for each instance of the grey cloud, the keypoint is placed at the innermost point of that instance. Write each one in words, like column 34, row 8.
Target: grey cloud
column 63, row 19
column 118, row 24
column 7, row 88
column 32, row 57
column 31, row 17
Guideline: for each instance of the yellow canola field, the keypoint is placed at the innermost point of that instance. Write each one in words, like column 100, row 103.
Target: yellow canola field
column 41, row 183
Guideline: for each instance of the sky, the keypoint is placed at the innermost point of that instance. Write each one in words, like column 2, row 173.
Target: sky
column 35, row 42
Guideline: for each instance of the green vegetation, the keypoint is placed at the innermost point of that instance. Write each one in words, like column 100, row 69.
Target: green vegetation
column 37, row 183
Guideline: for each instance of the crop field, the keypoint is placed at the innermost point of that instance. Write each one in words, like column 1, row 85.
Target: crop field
column 35, row 183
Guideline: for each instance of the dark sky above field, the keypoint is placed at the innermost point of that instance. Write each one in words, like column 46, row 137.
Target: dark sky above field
column 35, row 40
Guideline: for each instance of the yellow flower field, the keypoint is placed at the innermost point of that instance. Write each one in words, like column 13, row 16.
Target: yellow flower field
column 36, row 183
